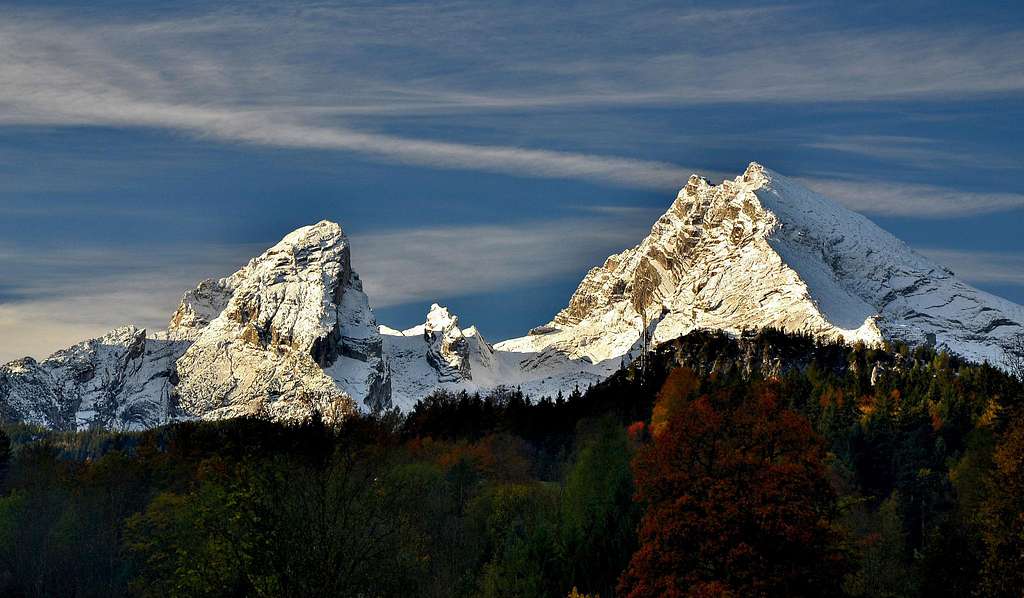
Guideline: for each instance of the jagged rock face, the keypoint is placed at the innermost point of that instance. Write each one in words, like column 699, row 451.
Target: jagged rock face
column 439, row 355
column 447, row 348
column 762, row 251
column 199, row 307
column 120, row 381
column 289, row 334
column 292, row 312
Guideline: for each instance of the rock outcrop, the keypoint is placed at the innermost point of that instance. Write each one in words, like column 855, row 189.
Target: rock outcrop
column 447, row 347
column 438, row 354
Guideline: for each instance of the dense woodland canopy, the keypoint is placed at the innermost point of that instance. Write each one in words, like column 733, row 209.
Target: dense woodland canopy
column 770, row 465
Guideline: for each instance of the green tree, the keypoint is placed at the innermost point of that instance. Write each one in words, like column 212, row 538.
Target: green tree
column 5, row 459
column 884, row 570
column 598, row 516
column 197, row 544
column 520, row 523
column 30, row 552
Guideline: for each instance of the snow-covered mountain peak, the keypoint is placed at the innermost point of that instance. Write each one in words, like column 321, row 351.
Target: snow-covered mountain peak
column 323, row 234
column 289, row 334
column 122, row 379
column 761, row 250
column 447, row 347
column 290, row 294
column 439, row 319
column 438, row 354
column 298, row 320
column 756, row 174
column 308, row 253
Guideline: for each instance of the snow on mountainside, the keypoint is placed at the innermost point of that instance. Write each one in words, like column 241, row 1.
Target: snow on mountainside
column 120, row 380
column 292, row 312
column 288, row 334
column 761, row 250
column 439, row 355
column 292, row 333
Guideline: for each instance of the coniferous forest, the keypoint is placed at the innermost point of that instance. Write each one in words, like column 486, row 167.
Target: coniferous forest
column 770, row 465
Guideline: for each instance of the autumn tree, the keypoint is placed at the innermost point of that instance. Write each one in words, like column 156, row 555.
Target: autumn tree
column 1003, row 516
column 737, row 503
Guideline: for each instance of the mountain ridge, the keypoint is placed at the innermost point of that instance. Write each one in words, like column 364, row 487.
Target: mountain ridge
column 292, row 333
column 769, row 252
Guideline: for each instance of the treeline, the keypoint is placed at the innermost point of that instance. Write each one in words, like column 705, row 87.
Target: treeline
column 765, row 466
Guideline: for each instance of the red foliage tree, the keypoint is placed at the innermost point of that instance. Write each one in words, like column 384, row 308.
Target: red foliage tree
column 737, row 503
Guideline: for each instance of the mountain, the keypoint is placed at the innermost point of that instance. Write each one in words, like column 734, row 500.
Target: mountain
column 439, row 355
column 120, row 380
column 760, row 251
column 294, row 333
column 291, row 333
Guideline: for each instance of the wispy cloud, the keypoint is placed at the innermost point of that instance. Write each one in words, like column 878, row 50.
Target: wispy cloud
column 913, row 200
column 406, row 266
column 918, row 152
column 981, row 267
column 52, row 74
column 266, row 128
column 284, row 78
column 53, row 298
column 49, row 300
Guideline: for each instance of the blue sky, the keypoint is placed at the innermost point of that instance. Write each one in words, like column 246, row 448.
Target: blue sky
column 483, row 155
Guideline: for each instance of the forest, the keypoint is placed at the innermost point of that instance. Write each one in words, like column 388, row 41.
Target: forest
column 766, row 465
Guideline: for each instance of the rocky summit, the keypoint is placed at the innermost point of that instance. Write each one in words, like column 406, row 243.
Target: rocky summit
column 291, row 334
column 286, row 318
column 763, row 251
column 288, row 335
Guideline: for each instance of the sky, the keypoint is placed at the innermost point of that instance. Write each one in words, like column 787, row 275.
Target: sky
column 483, row 155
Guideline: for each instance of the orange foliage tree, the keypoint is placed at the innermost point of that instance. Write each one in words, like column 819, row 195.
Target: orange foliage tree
column 1002, row 515
column 737, row 501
